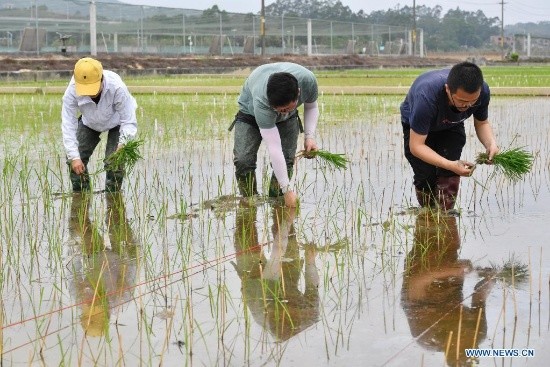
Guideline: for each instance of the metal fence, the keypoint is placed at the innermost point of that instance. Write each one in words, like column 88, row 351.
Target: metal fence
column 530, row 46
column 65, row 26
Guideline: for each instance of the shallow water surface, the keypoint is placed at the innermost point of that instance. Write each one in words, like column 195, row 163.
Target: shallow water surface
column 177, row 270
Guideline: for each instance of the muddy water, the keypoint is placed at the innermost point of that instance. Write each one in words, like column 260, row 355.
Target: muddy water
column 178, row 271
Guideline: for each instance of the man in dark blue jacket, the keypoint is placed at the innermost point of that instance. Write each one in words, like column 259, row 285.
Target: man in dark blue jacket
column 433, row 116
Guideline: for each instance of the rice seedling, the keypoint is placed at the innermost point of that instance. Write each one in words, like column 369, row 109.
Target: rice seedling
column 336, row 160
column 189, row 304
column 513, row 163
column 127, row 156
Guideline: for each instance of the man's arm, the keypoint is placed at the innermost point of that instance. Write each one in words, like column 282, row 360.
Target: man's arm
column 273, row 142
column 126, row 105
column 419, row 149
column 484, row 133
column 311, row 117
column 69, row 127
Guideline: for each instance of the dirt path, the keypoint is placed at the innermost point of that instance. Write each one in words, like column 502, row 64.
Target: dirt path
column 188, row 64
column 343, row 90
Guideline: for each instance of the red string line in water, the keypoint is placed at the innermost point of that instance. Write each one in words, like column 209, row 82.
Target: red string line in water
column 205, row 265
column 458, row 304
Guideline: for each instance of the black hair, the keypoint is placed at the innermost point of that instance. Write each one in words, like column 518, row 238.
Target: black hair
column 466, row 76
column 282, row 88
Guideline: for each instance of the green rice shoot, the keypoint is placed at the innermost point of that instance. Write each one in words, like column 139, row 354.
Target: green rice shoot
column 337, row 160
column 513, row 163
column 126, row 157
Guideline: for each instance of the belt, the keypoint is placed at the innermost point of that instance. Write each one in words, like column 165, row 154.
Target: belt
column 249, row 119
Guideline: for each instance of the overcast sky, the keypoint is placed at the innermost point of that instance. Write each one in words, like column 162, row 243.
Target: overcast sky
column 515, row 11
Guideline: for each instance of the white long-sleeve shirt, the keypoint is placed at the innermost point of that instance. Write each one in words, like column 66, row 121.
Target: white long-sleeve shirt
column 274, row 146
column 116, row 107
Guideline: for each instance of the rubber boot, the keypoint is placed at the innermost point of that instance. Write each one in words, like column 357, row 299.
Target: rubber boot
column 447, row 190
column 247, row 184
column 425, row 198
column 113, row 181
column 274, row 187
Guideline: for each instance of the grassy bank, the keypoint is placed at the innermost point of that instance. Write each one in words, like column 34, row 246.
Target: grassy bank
column 496, row 76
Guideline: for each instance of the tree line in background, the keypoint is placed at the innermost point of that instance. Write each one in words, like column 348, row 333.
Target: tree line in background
column 443, row 32
column 455, row 30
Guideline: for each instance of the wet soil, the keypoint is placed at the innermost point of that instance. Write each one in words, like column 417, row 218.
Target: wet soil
column 196, row 64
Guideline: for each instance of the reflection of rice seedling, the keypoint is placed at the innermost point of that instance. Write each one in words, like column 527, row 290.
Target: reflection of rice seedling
column 337, row 246
column 337, row 160
column 513, row 163
column 126, row 157
column 183, row 215
column 183, row 270
column 512, row 271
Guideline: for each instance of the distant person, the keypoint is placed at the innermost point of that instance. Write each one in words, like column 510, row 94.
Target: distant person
column 96, row 101
column 433, row 116
column 268, row 110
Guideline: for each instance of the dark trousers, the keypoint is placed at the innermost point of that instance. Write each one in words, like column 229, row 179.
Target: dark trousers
column 88, row 139
column 447, row 143
column 245, row 152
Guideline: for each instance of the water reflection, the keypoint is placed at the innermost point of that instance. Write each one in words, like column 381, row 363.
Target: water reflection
column 103, row 261
column 432, row 295
column 271, row 285
column 1, row 328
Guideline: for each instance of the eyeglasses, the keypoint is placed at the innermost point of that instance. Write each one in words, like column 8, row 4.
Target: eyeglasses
column 465, row 105
column 288, row 108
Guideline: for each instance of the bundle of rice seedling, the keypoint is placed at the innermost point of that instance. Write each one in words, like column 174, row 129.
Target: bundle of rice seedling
column 513, row 163
column 126, row 157
column 337, row 160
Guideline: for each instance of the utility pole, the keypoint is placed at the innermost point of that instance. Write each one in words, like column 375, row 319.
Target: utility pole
column 36, row 34
column 414, row 29
column 262, row 27
column 502, row 28
column 93, row 29
column 221, row 34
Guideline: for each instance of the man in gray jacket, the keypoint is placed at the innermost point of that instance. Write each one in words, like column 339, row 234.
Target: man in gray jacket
column 268, row 111
column 105, row 105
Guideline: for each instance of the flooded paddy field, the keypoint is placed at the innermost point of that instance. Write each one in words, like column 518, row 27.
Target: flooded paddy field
column 176, row 270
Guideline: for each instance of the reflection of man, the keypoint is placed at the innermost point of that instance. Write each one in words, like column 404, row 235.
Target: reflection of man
column 270, row 285
column 432, row 290
column 1, row 329
column 103, row 261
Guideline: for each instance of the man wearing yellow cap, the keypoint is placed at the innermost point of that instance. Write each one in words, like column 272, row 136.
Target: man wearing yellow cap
column 104, row 104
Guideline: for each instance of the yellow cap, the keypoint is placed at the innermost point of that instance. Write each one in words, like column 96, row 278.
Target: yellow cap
column 87, row 76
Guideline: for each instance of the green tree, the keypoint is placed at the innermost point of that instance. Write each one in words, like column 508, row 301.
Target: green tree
column 315, row 9
column 396, row 17
column 462, row 29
